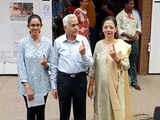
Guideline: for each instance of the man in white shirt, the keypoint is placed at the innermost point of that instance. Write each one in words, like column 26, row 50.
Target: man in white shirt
column 72, row 58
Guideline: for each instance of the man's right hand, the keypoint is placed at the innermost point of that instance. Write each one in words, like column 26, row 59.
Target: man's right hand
column 55, row 94
column 90, row 91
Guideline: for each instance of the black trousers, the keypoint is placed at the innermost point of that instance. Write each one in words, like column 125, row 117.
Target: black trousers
column 35, row 113
column 72, row 89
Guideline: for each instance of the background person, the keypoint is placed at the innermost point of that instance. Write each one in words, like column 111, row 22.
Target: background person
column 81, row 14
column 129, row 29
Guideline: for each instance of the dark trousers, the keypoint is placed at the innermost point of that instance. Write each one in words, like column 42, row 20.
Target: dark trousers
column 133, row 59
column 72, row 89
column 35, row 113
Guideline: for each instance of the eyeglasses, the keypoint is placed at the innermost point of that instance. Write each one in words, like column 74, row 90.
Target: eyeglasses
column 35, row 25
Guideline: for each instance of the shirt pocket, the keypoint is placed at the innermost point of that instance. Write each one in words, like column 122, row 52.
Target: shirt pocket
column 64, row 52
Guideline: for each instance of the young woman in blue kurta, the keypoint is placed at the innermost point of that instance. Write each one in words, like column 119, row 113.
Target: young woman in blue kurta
column 34, row 60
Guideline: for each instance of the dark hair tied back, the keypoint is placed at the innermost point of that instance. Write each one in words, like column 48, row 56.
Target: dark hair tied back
column 113, row 19
column 34, row 16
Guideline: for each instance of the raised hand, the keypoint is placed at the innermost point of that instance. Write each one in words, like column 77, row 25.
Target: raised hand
column 115, row 56
column 82, row 49
column 113, row 52
column 44, row 61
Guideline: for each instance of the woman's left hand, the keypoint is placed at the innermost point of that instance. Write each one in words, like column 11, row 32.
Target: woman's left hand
column 115, row 56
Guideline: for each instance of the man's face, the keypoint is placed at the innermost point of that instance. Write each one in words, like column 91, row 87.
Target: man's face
column 130, row 5
column 72, row 27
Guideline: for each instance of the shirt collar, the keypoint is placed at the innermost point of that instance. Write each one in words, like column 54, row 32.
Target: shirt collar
column 76, row 40
column 126, row 12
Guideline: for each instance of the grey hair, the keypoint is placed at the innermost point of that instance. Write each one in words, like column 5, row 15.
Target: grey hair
column 67, row 18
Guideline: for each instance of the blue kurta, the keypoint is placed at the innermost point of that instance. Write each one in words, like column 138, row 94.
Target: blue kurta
column 29, row 67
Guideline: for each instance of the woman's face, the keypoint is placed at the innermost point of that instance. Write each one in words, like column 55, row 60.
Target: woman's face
column 109, row 29
column 35, row 26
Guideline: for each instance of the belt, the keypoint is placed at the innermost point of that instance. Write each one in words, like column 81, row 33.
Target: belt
column 130, row 42
column 72, row 75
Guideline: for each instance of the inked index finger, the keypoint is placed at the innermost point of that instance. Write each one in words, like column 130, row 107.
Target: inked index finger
column 83, row 43
column 113, row 48
column 44, row 56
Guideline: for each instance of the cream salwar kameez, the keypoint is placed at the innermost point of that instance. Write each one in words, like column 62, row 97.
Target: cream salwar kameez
column 111, row 100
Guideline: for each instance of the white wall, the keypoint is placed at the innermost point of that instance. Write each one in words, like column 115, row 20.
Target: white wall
column 13, row 31
column 154, row 61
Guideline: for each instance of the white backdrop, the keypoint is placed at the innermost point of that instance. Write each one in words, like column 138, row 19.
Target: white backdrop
column 154, row 61
column 13, row 30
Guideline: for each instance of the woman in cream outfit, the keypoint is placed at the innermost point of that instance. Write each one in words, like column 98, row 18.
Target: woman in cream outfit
column 109, row 77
